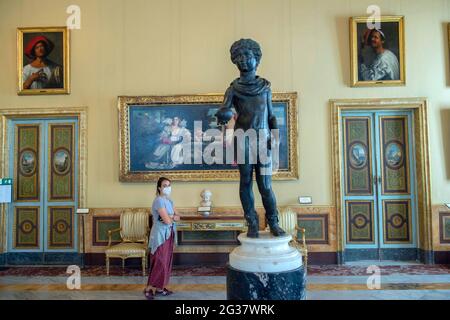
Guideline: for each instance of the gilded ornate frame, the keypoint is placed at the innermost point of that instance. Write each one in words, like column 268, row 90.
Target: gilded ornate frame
column 66, row 61
column 422, row 154
column 125, row 175
column 448, row 36
column 30, row 113
column 354, row 43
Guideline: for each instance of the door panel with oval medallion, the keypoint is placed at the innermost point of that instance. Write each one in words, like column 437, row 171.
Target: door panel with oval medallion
column 379, row 211
column 44, row 170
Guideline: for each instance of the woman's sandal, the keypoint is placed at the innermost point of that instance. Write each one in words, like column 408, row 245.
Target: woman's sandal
column 149, row 294
column 164, row 292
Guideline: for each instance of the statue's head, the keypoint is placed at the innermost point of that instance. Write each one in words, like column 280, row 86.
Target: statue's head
column 206, row 195
column 245, row 44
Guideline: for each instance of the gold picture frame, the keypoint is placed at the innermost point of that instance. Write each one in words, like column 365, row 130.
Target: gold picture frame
column 448, row 37
column 378, row 63
column 143, row 119
column 46, row 71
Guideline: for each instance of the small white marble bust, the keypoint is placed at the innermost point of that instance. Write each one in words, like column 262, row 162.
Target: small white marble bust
column 206, row 198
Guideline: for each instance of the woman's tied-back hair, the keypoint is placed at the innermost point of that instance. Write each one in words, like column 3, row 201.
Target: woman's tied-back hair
column 158, row 185
column 246, row 44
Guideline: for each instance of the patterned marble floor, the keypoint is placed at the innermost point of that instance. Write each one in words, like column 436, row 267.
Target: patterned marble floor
column 404, row 282
column 351, row 269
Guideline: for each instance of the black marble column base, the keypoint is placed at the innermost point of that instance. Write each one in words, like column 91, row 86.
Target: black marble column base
column 288, row 285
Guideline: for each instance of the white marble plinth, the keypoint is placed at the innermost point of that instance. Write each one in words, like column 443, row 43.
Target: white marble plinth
column 265, row 254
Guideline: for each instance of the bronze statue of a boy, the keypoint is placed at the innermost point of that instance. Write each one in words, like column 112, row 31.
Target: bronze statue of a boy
column 251, row 97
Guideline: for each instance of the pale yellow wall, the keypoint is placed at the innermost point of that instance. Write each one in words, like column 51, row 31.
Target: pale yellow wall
column 143, row 47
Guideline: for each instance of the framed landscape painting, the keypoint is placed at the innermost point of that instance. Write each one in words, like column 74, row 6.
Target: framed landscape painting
column 43, row 60
column 377, row 53
column 178, row 137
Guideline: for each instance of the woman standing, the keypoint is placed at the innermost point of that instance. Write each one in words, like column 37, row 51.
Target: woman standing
column 162, row 238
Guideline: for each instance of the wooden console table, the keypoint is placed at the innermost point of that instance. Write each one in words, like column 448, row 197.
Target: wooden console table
column 216, row 233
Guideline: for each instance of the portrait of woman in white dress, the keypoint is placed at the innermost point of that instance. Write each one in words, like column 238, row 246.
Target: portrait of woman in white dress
column 172, row 139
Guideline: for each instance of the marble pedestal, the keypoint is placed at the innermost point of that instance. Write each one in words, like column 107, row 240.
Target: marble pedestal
column 265, row 268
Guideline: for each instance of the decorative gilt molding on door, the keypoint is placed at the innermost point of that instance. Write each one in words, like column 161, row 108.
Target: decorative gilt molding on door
column 419, row 107
column 33, row 113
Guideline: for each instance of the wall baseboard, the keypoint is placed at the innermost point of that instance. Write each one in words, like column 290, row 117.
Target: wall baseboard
column 40, row 258
column 98, row 259
column 183, row 259
column 402, row 254
column 442, row 257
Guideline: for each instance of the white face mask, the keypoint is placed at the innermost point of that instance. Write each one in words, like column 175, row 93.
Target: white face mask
column 166, row 191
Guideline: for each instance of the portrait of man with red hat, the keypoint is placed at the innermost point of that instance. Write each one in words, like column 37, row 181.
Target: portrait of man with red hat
column 42, row 63
column 378, row 51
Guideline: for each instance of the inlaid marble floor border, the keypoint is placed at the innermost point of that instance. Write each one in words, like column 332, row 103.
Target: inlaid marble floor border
column 394, row 286
column 313, row 270
column 218, row 287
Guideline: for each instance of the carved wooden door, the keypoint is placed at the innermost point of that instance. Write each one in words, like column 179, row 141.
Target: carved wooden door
column 44, row 167
column 379, row 204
